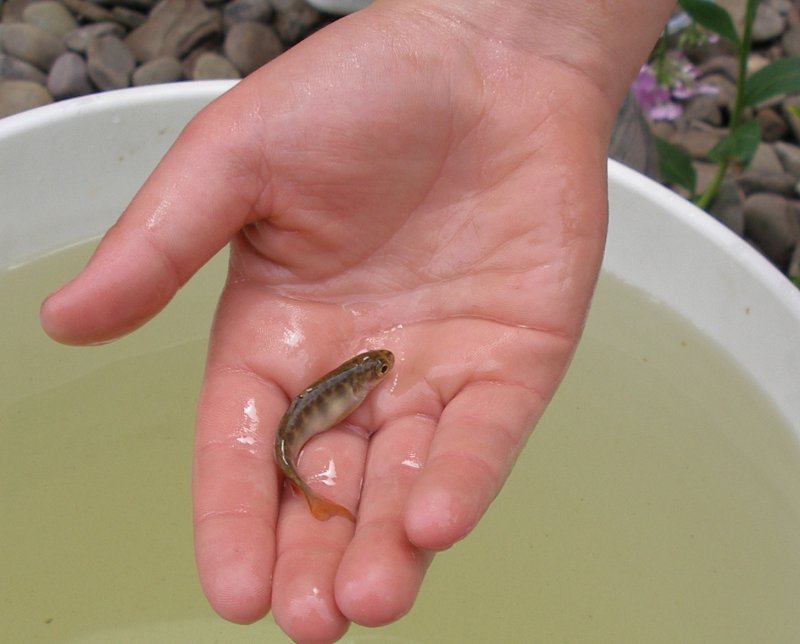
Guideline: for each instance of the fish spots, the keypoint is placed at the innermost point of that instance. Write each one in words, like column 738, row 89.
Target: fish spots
column 318, row 408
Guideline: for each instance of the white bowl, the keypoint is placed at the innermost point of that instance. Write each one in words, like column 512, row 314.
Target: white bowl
column 67, row 171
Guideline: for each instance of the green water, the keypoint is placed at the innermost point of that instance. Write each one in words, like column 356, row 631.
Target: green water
column 658, row 500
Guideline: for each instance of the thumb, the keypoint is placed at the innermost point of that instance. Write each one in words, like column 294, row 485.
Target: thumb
column 202, row 192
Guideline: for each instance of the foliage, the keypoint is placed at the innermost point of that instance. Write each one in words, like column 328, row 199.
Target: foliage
column 738, row 147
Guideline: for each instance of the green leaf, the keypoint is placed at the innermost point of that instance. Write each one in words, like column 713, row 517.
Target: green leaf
column 675, row 166
column 779, row 77
column 711, row 16
column 740, row 145
column 794, row 110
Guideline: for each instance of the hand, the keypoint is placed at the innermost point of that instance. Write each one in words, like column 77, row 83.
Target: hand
column 400, row 180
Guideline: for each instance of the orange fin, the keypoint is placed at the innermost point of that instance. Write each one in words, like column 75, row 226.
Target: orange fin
column 323, row 509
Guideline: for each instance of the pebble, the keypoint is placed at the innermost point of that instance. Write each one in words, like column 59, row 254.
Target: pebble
column 726, row 89
column 78, row 40
column 768, row 25
column 728, row 207
column 727, row 66
column 51, row 16
column 15, row 69
column 89, row 10
column 31, row 44
column 209, row 66
column 705, row 173
column 789, row 156
column 166, row 69
column 242, row 10
column 791, row 42
column 773, row 127
column 702, row 108
column 173, row 28
column 110, row 63
column 12, row 10
column 69, row 77
column 249, row 45
column 20, row 95
column 781, row 183
column 765, row 160
column 697, row 141
column 128, row 17
column 771, row 226
column 295, row 20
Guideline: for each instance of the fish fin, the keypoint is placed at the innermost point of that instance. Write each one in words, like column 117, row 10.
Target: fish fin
column 323, row 509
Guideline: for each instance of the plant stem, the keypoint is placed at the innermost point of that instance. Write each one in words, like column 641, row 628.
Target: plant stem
column 710, row 192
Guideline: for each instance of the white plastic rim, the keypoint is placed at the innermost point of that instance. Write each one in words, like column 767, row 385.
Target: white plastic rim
column 67, row 170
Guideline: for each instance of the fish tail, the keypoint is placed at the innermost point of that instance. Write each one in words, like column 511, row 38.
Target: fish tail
column 323, row 509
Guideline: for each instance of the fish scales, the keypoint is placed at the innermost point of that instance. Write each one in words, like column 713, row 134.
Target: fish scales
column 321, row 406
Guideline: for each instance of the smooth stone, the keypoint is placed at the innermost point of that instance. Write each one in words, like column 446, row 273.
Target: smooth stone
column 632, row 141
column 705, row 172
column 728, row 206
column 771, row 226
column 249, row 45
column 768, row 25
column 663, row 130
column 51, row 16
column 756, row 62
column 698, row 142
column 210, row 66
column 89, row 10
column 789, row 156
column 726, row 89
column 31, row 44
column 243, row 10
column 11, row 10
column 783, row 7
column 128, row 17
column 78, row 40
column 19, row 95
column 728, row 66
column 110, row 63
column 166, row 69
column 69, row 76
column 790, row 41
column 702, row 108
column 765, row 160
column 282, row 5
column 296, row 21
column 173, row 28
column 773, row 127
column 15, row 69
column 780, row 183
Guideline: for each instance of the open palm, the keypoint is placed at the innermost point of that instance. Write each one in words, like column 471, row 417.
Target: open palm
column 380, row 190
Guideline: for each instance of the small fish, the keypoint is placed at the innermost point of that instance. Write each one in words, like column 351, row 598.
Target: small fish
column 327, row 402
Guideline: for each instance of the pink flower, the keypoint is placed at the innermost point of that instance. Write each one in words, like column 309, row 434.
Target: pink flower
column 653, row 98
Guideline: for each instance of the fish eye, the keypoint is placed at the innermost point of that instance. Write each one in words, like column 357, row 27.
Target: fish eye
column 384, row 367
